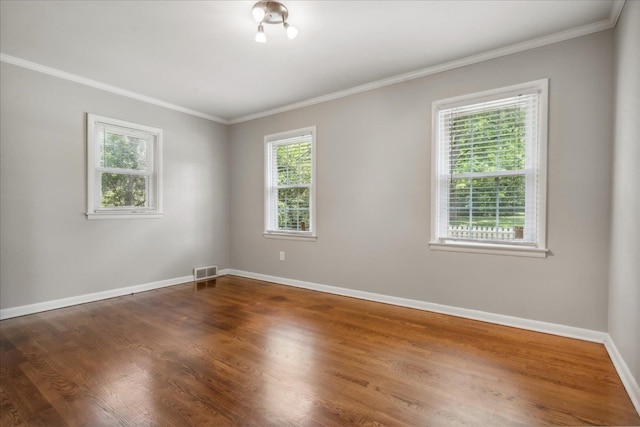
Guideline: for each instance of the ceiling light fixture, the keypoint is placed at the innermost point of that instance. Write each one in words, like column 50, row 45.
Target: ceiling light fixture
column 272, row 12
column 261, row 37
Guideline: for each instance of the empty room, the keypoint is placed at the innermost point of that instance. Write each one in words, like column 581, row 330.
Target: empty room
column 319, row 213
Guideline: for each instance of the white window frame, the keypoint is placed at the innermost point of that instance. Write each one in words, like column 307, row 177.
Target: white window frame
column 270, row 190
column 154, row 173
column 438, row 176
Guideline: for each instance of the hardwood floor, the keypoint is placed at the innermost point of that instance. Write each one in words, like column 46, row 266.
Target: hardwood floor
column 237, row 351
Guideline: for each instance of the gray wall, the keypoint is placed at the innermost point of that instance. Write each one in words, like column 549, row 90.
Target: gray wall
column 373, row 200
column 624, row 288
column 373, row 194
column 48, row 249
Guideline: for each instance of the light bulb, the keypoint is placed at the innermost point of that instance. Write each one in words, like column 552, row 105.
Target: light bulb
column 261, row 37
column 292, row 31
column 258, row 13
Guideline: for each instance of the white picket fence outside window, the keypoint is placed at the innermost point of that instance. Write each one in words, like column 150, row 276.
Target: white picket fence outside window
column 477, row 232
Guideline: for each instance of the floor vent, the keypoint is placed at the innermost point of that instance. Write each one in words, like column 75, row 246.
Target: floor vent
column 204, row 273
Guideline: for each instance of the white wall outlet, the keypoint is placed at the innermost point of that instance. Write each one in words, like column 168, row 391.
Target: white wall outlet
column 281, row 255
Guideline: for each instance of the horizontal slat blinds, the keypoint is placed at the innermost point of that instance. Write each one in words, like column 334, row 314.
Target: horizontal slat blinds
column 488, row 170
column 290, row 184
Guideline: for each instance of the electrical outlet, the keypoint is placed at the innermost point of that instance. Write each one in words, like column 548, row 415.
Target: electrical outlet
column 281, row 255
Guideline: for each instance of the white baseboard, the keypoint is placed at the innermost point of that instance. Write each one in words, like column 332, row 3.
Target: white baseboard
column 23, row 310
column 621, row 367
column 516, row 322
column 629, row 382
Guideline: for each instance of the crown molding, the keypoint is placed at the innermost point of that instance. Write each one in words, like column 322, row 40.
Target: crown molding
column 616, row 10
column 103, row 86
column 605, row 24
column 584, row 30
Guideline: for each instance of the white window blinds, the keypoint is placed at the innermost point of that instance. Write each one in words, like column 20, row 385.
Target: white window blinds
column 488, row 169
column 289, row 192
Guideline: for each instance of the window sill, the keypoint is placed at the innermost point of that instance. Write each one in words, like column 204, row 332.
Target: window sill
column 121, row 215
column 291, row 236
column 489, row 248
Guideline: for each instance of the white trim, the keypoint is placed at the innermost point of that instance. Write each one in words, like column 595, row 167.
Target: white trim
column 23, row 310
column 543, row 162
column 487, row 248
column 616, row 10
column 499, row 319
column 584, row 30
column 535, row 86
column 106, row 87
column 154, row 141
column 131, row 215
column 439, row 241
column 270, row 223
column 291, row 236
column 605, row 24
column 629, row 382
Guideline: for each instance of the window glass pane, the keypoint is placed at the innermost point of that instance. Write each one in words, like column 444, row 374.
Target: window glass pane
column 488, row 141
column 293, row 209
column 289, row 186
column 122, row 151
column 488, row 179
column 294, row 163
column 123, row 190
column 487, row 208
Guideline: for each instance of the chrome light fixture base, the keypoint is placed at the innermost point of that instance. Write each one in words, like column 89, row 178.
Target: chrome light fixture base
column 272, row 12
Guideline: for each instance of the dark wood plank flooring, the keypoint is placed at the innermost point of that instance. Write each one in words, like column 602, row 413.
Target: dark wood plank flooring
column 243, row 352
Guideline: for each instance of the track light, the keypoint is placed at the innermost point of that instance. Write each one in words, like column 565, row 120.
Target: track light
column 272, row 12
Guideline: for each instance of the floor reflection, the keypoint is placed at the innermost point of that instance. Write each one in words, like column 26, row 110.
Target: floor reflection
column 290, row 367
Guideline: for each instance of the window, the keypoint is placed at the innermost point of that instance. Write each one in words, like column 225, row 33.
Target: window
column 290, row 184
column 124, row 163
column 489, row 171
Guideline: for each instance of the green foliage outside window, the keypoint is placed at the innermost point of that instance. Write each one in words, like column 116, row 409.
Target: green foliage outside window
column 294, row 181
column 490, row 141
column 121, row 189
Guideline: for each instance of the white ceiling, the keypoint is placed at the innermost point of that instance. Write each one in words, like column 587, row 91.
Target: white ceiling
column 201, row 56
